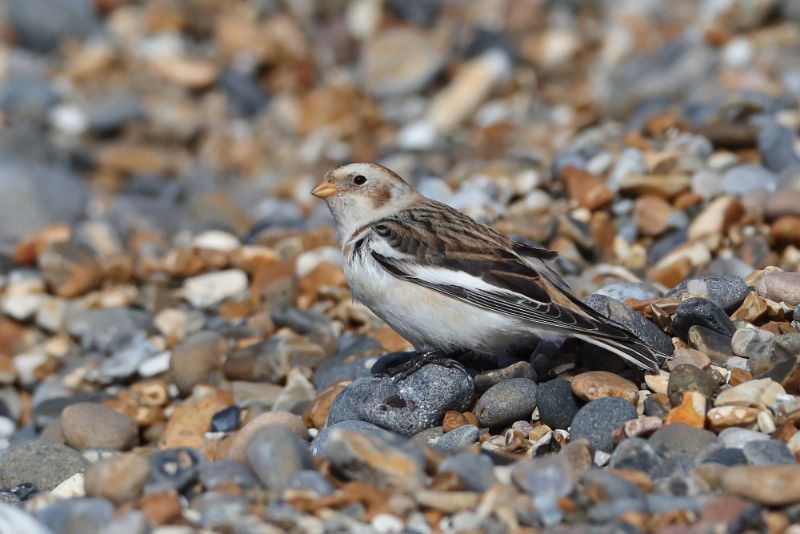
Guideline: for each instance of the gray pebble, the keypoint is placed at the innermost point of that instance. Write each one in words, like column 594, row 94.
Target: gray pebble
column 557, row 404
column 723, row 456
column 218, row 510
column 212, row 474
column 711, row 343
column 598, row 420
column 475, row 471
column 622, row 291
column 637, row 454
column 308, row 479
column 776, row 143
column 66, row 19
column 768, row 452
column 506, row 402
column 737, row 438
column 743, row 178
column 727, row 292
column 275, row 454
column 458, row 438
column 43, row 463
column 77, row 515
column 680, row 439
column 701, row 312
column 406, row 406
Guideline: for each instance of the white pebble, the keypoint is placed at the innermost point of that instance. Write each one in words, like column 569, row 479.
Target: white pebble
column 207, row 290
column 71, row 487
column 216, row 240
column 387, row 523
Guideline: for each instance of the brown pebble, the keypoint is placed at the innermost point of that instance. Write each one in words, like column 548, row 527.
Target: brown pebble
column 87, row 424
column 119, row 479
column 453, row 420
column 598, row 384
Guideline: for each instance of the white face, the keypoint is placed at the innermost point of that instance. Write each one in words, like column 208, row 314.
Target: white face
column 359, row 193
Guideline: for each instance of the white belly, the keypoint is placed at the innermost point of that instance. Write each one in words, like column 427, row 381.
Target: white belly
column 429, row 319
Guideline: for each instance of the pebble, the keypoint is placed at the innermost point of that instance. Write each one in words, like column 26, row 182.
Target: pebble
column 636, row 454
column 768, row 452
column 680, row 439
column 399, row 61
column 87, row 424
column 556, row 403
column 370, row 459
column 778, row 485
column 711, row 343
column 744, row 178
column 276, row 454
column 727, row 292
column 43, row 463
column 240, row 441
column 194, row 358
column 461, row 437
column 69, row 269
column 119, row 479
column 759, row 392
column 737, row 438
column 697, row 311
column 223, row 472
column 598, row 384
column 685, row 378
column 208, row 290
column 475, row 471
column 598, row 420
column 86, row 514
column 405, row 406
column 506, row 402
column 780, row 287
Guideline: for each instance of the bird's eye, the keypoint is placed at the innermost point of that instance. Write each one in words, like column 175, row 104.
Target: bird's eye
column 360, row 180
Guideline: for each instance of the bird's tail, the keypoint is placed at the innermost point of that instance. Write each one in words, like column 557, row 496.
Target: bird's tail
column 635, row 352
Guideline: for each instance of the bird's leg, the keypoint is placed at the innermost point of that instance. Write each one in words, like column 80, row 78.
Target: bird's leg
column 404, row 369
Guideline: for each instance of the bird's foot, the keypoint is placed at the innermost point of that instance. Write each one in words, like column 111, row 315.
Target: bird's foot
column 401, row 366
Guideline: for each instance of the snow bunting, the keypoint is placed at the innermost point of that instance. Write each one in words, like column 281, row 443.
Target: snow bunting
column 446, row 282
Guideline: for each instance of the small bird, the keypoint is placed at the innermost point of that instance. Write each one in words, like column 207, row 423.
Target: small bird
column 449, row 284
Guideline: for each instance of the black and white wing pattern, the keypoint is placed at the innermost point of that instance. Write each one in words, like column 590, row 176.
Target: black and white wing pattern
column 442, row 249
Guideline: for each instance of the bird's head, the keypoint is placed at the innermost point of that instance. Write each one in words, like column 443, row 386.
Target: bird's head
column 359, row 193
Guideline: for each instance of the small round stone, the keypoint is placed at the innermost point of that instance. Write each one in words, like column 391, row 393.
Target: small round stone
column 87, row 424
column 557, row 404
column 679, row 439
column 727, row 292
column 461, row 437
column 768, row 452
column 598, row 384
column 276, row 454
column 685, row 378
column 598, row 420
column 697, row 311
column 194, row 358
column 269, row 419
column 226, row 420
column 506, row 402
column 119, row 479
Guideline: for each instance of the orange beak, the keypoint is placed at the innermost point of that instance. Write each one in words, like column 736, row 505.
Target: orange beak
column 324, row 190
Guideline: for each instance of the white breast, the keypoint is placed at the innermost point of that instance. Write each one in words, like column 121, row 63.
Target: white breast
column 426, row 318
